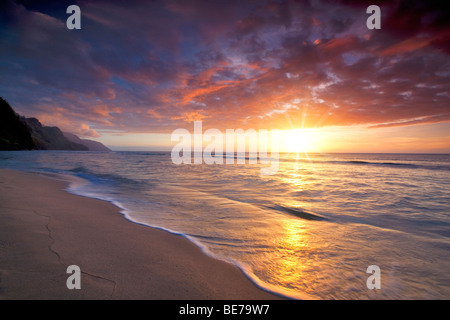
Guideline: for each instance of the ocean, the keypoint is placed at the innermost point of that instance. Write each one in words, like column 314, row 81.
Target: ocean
column 309, row 231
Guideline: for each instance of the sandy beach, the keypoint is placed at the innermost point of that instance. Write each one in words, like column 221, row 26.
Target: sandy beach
column 44, row 229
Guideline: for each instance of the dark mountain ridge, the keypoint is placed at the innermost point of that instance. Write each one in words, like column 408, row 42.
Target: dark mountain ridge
column 20, row 133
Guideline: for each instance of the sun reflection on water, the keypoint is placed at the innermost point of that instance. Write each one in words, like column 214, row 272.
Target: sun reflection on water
column 294, row 265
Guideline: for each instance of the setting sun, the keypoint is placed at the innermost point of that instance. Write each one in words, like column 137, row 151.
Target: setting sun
column 299, row 140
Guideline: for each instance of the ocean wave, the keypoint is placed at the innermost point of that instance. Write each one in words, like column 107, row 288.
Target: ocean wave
column 144, row 153
column 314, row 159
column 104, row 177
column 298, row 212
column 373, row 163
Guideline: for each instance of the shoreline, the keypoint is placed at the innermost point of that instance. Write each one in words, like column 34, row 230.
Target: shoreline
column 44, row 228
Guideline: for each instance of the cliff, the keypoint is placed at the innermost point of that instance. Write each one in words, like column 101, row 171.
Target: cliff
column 50, row 138
column 90, row 144
column 14, row 134
column 20, row 133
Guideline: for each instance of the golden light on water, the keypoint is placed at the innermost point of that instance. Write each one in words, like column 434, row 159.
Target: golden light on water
column 295, row 265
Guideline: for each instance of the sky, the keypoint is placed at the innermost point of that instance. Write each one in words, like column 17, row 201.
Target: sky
column 138, row 70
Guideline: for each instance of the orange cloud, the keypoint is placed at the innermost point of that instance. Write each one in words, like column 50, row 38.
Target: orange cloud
column 192, row 94
column 341, row 44
column 85, row 131
column 190, row 116
column 407, row 46
column 154, row 114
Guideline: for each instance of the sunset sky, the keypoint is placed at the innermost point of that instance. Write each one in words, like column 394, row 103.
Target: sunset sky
column 137, row 70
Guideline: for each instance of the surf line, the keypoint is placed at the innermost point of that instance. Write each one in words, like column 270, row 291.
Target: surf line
column 190, row 148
